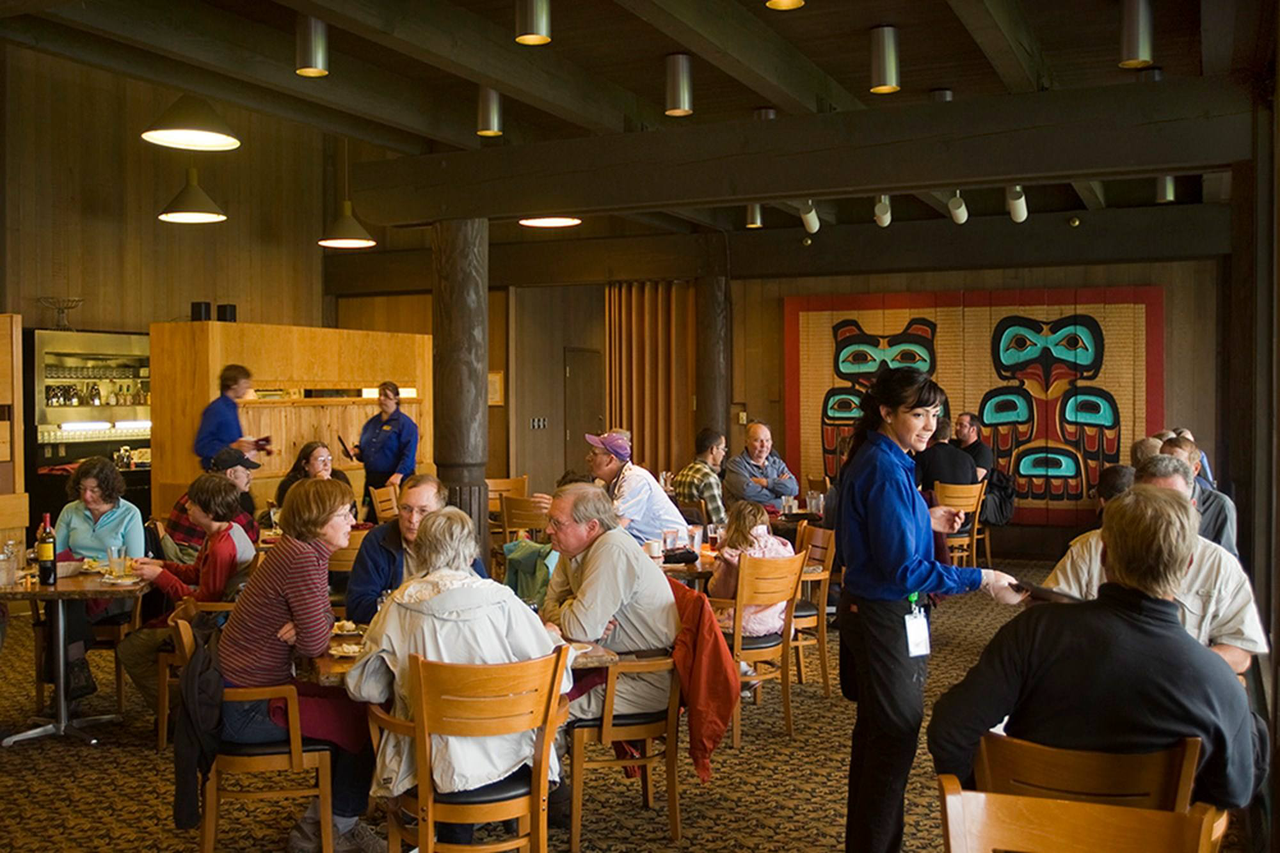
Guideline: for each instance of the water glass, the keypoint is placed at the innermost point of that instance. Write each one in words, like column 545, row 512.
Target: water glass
column 670, row 540
column 695, row 537
column 116, row 560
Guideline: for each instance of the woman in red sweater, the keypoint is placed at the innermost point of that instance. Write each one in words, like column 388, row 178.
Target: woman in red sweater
column 220, row 568
column 285, row 609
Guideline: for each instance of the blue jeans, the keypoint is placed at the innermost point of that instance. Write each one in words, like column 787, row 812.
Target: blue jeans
column 351, row 773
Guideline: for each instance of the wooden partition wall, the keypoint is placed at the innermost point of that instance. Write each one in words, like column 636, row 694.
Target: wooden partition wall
column 187, row 357
column 13, row 492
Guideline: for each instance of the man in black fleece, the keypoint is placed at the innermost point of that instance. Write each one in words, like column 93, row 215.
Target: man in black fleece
column 1117, row 674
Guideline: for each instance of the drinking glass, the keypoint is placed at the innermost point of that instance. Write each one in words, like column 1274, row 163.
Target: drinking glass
column 116, row 560
column 695, row 537
column 713, row 536
column 670, row 540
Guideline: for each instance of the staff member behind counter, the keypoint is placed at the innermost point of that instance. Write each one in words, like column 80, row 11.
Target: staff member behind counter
column 388, row 444
column 220, row 420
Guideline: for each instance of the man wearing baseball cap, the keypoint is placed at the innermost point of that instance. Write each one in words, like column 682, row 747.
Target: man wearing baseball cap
column 643, row 507
column 181, row 537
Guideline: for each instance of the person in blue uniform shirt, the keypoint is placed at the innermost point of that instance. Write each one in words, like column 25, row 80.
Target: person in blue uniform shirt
column 220, row 422
column 388, row 445
column 884, row 535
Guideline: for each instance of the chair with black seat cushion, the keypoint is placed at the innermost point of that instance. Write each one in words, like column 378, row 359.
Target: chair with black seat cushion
column 168, row 664
column 477, row 700
column 694, row 512
column 811, row 611
column 294, row 755
column 644, row 728
column 108, row 633
column 764, row 582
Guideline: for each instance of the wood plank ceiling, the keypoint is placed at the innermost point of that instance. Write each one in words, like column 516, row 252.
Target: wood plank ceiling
column 604, row 69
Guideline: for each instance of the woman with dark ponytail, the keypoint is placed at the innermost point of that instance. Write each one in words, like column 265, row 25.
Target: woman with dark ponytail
column 885, row 537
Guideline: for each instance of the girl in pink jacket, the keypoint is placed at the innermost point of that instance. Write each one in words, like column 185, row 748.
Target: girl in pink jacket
column 748, row 533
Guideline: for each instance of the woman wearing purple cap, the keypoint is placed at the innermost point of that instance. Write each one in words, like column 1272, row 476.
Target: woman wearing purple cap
column 643, row 507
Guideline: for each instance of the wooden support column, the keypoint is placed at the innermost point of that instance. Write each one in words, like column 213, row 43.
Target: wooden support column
column 713, row 353
column 460, row 342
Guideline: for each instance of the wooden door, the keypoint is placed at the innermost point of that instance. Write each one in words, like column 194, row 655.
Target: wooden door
column 583, row 402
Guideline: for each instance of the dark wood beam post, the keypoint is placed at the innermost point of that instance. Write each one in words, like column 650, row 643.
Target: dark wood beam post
column 460, row 365
column 713, row 352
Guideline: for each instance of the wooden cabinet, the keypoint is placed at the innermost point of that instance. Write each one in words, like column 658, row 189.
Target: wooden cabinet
column 187, row 357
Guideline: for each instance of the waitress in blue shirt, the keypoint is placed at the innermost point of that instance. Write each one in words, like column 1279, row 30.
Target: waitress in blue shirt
column 388, row 445
column 885, row 538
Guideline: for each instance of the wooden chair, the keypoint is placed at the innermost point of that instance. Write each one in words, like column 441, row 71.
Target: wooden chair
column 386, row 503
column 811, row 613
column 106, row 637
column 168, row 664
column 694, row 512
column 818, row 484
column 516, row 487
column 485, row 700
column 343, row 560
column 644, row 728
column 764, row 582
column 1152, row 780
column 979, row 822
column 293, row 754
column 521, row 515
column 968, row 499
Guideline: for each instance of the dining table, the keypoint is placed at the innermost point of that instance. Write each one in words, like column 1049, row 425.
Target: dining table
column 76, row 587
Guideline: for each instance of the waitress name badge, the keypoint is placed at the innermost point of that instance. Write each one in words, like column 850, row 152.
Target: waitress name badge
column 917, row 633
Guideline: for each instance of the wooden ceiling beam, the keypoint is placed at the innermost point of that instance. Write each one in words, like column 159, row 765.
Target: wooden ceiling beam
column 88, row 49
column 1001, row 30
column 732, row 39
column 1164, row 233
column 13, row 8
column 472, row 47
column 207, row 37
column 1177, row 127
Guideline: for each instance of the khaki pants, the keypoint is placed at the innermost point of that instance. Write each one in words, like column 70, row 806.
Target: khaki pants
column 138, row 654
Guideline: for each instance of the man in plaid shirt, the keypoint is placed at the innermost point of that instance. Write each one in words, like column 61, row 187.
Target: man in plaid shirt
column 183, row 537
column 699, row 481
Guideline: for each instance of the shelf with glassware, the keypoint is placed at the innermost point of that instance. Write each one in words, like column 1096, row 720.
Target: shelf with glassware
column 91, row 387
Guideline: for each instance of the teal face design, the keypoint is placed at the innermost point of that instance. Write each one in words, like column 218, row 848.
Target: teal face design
column 1092, row 408
column 866, row 359
column 1007, row 407
column 843, row 406
column 1048, row 463
column 1073, row 344
column 1066, row 348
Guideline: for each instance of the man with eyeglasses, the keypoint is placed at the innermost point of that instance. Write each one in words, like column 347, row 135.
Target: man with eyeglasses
column 384, row 560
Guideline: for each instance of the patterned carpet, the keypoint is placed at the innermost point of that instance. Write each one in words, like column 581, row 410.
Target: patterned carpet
column 773, row 794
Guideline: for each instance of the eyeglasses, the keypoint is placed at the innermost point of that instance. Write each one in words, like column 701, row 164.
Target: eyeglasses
column 414, row 511
column 323, row 460
column 554, row 524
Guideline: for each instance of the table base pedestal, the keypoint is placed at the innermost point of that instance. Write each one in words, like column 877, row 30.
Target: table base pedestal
column 46, row 727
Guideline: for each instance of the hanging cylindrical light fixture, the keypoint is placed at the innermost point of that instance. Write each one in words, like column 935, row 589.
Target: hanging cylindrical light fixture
column 345, row 232
column 1165, row 192
column 784, row 5
column 955, row 206
column 311, row 48
column 533, row 21
column 679, row 85
column 883, row 212
column 489, row 112
column 190, row 123
column 192, row 205
column 1015, row 200
column 1136, row 34
column 755, row 216
column 809, row 216
column 884, row 60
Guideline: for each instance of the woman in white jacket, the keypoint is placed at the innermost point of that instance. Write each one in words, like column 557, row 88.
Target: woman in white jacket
column 448, row 614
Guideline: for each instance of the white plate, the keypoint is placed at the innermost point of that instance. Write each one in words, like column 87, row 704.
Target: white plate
column 346, row 650
column 120, row 581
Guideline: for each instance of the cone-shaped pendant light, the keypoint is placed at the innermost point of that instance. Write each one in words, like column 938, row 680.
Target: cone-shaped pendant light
column 346, row 232
column 190, row 123
column 192, row 205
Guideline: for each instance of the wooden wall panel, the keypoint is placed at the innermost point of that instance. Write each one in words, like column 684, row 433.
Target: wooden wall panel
column 1191, row 339
column 412, row 313
column 83, row 191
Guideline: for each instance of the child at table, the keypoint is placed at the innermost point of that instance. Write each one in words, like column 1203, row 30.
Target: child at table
column 747, row 533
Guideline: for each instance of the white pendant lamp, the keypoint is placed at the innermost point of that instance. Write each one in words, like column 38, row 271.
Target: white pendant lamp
column 346, row 232
column 192, row 205
column 1015, row 200
column 190, row 123
column 311, row 49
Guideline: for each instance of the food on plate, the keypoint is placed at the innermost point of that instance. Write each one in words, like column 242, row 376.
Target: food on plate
column 344, row 626
column 345, row 650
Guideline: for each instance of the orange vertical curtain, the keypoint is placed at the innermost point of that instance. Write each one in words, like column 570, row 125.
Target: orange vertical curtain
column 650, row 354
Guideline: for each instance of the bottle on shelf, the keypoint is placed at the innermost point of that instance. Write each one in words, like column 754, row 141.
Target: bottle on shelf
column 45, row 553
column 112, row 398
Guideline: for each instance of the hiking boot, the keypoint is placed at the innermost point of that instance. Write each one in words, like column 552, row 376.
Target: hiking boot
column 359, row 839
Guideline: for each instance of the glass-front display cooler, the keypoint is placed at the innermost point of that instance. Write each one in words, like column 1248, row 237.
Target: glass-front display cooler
column 88, row 394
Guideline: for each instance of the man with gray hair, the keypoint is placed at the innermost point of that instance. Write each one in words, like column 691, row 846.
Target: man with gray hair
column 1215, row 600
column 1217, row 511
column 1118, row 674
column 447, row 614
column 1142, row 450
column 757, row 473
column 608, row 590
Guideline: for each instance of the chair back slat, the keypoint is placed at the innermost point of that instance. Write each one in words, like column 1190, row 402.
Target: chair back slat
column 516, row 487
column 386, row 503
column 763, row 581
column 820, row 543
column 1152, row 780
column 980, row 822
column 521, row 514
column 482, row 700
column 967, row 499
column 344, row 558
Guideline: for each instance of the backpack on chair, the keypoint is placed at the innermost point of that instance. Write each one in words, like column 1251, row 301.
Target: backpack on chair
column 997, row 507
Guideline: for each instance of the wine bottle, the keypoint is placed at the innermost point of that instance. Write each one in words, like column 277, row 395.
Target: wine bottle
column 45, row 554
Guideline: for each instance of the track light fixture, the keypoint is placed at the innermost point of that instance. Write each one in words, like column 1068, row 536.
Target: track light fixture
column 1015, row 201
column 755, row 216
column 311, row 49
column 955, row 206
column 1165, row 192
column 1136, row 35
column 883, row 212
column 533, row 21
column 809, row 216
column 679, row 85
column 884, row 60
column 488, row 112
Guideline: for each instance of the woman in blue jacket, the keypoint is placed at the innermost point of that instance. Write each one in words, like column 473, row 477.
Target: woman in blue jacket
column 885, row 537
column 388, row 445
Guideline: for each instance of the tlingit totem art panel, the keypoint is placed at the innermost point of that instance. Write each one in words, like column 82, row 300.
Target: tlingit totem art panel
column 1063, row 380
